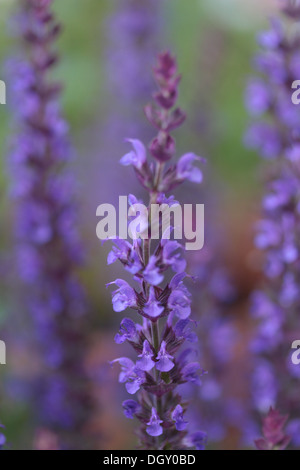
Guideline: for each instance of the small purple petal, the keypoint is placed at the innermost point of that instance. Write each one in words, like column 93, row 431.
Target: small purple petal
column 154, row 427
column 164, row 360
column 185, row 169
column 137, row 157
column 177, row 416
column 146, row 363
column 131, row 407
column 152, row 307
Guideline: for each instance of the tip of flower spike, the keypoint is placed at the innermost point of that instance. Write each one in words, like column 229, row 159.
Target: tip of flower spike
column 291, row 8
column 274, row 436
column 166, row 65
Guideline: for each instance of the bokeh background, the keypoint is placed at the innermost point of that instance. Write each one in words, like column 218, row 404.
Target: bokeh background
column 214, row 41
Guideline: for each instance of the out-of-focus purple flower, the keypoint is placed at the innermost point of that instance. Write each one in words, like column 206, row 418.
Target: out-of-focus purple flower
column 181, row 331
column 189, row 373
column 257, row 97
column 131, row 408
column 178, row 417
column 198, row 440
column 264, row 137
column 2, row 438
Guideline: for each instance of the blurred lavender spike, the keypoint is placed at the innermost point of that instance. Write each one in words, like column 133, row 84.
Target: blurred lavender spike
column 48, row 247
column 275, row 134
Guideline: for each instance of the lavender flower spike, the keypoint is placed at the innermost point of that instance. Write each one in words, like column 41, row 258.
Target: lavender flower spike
column 48, row 246
column 161, row 304
column 275, row 133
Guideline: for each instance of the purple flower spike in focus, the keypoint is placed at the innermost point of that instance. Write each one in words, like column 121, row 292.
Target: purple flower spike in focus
column 157, row 369
column 276, row 304
column 48, row 247
column 274, row 434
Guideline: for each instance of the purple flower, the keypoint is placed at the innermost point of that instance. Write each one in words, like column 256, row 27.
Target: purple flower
column 181, row 331
column 164, row 360
column 154, row 427
column 137, row 157
column 271, row 39
column 198, row 439
column 146, row 363
column 178, row 417
column 257, row 97
column 131, row 408
column 152, row 273
column 130, row 375
column 128, row 331
column 186, row 171
column 153, row 308
column 172, row 257
column 189, row 373
column 126, row 253
column 264, row 137
column 123, row 297
column 179, row 302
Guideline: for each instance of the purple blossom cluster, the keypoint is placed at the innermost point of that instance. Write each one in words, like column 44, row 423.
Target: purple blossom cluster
column 159, row 295
column 276, row 135
column 274, row 435
column 48, row 245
